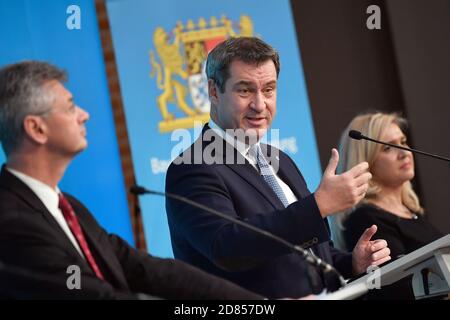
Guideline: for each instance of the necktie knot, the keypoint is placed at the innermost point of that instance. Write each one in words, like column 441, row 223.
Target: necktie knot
column 64, row 205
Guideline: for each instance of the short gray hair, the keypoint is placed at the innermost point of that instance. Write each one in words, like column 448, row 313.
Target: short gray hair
column 249, row 50
column 22, row 93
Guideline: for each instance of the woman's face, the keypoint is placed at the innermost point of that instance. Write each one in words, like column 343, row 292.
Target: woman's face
column 392, row 166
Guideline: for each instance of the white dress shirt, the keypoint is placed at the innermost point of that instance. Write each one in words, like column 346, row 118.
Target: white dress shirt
column 50, row 199
column 243, row 149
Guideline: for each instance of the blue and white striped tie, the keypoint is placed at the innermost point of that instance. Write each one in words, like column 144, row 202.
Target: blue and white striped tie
column 267, row 174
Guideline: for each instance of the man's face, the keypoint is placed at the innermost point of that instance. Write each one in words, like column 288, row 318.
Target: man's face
column 66, row 133
column 249, row 100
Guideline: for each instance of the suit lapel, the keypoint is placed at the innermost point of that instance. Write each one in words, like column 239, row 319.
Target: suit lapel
column 21, row 190
column 249, row 173
column 290, row 175
column 10, row 182
column 287, row 172
column 240, row 165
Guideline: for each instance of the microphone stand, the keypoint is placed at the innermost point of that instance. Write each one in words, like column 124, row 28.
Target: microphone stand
column 358, row 136
column 313, row 260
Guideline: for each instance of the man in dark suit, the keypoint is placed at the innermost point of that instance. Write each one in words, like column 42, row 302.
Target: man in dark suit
column 47, row 237
column 228, row 169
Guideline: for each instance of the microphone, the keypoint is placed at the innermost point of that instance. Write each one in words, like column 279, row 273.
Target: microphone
column 357, row 135
column 310, row 258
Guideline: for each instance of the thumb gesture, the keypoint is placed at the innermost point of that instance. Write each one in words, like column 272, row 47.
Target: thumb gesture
column 332, row 164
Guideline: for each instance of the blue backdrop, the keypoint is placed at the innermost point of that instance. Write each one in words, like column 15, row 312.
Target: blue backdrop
column 32, row 29
column 146, row 44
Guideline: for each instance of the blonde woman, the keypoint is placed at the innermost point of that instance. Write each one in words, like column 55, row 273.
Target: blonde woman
column 390, row 202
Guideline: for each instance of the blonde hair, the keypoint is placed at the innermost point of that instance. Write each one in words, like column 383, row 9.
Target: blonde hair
column 353, row 152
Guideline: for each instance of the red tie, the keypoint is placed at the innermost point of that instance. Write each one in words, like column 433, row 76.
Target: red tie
column 72, row 221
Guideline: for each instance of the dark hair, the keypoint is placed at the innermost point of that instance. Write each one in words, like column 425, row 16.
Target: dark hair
column 22, row 93
column 246, row 49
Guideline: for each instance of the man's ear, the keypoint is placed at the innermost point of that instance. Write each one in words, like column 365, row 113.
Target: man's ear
column 213, row 92
column 35, row 129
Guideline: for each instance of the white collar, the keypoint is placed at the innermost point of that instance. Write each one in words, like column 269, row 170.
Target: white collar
column 44, row 192
column 227, row 135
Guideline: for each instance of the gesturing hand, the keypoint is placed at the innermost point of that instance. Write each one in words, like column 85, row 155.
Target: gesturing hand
column 369, row 253
column 337, row 193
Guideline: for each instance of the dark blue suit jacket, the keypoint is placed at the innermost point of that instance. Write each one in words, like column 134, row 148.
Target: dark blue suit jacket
column 233, row 252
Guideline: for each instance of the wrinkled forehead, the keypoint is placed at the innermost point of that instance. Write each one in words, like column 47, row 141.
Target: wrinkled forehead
column 253, row 71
